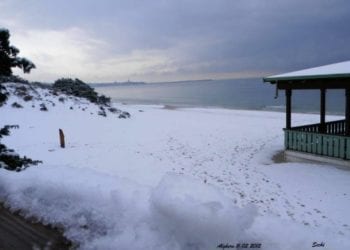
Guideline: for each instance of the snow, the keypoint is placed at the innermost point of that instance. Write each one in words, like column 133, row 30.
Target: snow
column 196, row 214
column 342, row 68
column 171, row 179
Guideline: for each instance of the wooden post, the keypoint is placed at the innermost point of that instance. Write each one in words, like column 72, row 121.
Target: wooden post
column 323, row 111
column 288, row 108
column 62, row 142
column 347, row 112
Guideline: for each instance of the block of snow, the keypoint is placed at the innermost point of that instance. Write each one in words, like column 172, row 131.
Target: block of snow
column 197, row 215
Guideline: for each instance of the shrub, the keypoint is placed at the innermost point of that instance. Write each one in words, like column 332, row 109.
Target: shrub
column 124, row 115
column 28, row 98
column 12, row 78
column 113, row 110
column 16, row 105
column 43, row 107
column 8, row 158
column 80, row 89
column 104, row 100
column 76, row 88
column 3, row 95
column 102, row 113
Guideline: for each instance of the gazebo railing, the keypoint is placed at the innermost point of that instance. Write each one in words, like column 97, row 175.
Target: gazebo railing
column 334, row 127
column 308, row 139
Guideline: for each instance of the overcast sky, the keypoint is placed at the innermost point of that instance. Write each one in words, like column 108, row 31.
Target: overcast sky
column 156, row 40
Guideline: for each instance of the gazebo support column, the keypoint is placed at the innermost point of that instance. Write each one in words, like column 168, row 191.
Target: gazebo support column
column 288, row 108
column 347, row 112
column 323, row 111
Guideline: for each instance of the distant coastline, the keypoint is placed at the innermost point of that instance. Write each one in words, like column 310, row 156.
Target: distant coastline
column 184, row 81
column 113, row 84
column 131, row 83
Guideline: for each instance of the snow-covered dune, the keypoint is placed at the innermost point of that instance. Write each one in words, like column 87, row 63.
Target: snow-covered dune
column 170, row 179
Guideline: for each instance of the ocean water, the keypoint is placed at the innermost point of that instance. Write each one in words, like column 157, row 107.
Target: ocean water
column 250, row 94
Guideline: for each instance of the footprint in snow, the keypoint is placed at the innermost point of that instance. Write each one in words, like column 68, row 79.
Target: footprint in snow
column 317, row 211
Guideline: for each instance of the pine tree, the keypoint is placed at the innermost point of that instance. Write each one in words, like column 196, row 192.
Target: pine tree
column 9, row 58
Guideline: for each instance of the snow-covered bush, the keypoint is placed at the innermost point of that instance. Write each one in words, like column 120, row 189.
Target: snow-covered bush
column 12, row 78
column 16, row 105
column 8, row 158
column 3, row 95
column 78, row 88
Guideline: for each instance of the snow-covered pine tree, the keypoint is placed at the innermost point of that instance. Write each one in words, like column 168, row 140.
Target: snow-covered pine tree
column 9, row 58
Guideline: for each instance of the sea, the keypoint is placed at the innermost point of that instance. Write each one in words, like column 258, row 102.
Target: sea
column 247, row 94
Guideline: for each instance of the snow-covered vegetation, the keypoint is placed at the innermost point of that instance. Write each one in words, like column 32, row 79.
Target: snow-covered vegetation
column 169, row 179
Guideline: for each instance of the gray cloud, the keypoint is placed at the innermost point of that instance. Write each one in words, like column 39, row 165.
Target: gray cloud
column 193, row 37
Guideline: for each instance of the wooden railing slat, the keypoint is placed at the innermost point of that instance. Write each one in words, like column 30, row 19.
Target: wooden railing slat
column 347, row 149
column 342, row 147
column 336, row 146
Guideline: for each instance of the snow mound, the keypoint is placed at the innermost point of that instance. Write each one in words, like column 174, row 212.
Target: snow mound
column 101, row 211
column 85, row 205
column 196, row 215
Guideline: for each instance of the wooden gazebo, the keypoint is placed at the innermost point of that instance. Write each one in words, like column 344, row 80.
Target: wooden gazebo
column 330, row 139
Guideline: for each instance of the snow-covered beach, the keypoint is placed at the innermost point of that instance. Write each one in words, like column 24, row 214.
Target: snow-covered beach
column 171, row 178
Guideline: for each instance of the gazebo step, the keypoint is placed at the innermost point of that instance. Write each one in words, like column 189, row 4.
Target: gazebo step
column 296, row 156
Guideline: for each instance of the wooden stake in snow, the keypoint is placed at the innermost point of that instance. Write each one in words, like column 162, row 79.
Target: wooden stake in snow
column 62, row 142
